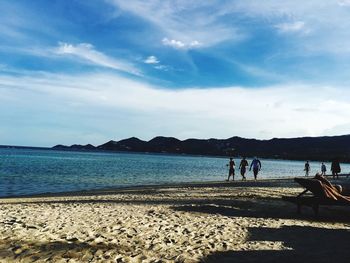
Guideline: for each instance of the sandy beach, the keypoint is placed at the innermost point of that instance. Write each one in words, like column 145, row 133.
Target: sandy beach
column 211, row 222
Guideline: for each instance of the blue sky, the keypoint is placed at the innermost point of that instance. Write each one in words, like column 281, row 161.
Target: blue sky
column 91, row 71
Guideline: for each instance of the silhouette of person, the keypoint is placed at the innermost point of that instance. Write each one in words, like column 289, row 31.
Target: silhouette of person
column 335, row 168
column 307, row 168
column 243, row 167
column 256, row 164
column 323, row 169
column 231, row 171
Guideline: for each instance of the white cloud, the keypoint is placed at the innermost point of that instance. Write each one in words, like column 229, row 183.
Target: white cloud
column 185, row 24
column 195, row 43
column 151, row 60
column 162, row 67
column 173, row 43
column 93, row 100
column 344, row 2
column 296, row 26
column 88, row 53
column 179, row 44
column 324, row 25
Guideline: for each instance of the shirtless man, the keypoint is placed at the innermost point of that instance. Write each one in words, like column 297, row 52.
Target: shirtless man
column 231, row 171
column 243, row 167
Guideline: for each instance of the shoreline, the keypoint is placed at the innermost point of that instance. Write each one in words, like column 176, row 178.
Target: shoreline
column 275, row 182
column 264, row 182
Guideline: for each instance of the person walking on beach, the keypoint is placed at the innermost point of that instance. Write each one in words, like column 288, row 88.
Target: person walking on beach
column 307, row 168
column 335, row 168
column 231, row 171
column 256, row 164
column 323, row 169
column 243, row 167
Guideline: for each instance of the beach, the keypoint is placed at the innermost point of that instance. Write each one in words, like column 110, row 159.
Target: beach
column 199, row 222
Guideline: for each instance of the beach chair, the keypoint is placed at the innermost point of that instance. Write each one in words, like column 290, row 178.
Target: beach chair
column 323, row 193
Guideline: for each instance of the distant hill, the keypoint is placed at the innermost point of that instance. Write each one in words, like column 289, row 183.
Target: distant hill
column 304, row 148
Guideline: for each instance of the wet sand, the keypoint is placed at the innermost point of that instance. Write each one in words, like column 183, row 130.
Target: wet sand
column 203, row 222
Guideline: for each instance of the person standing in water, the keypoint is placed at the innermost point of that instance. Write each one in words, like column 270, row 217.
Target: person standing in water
column 256, row 164
column 243, row 167
column 323, row 169
column 231, row 171
column 307, row 168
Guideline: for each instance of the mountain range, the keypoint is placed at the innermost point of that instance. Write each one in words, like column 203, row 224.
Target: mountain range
column 304, row 148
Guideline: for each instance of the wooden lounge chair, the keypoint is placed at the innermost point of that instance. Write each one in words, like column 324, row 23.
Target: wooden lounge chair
column 323, row 193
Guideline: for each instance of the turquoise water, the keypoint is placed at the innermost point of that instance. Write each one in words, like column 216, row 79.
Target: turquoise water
column 24, row 171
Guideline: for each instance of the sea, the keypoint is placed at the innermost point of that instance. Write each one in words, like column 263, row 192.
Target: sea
column 37, row 171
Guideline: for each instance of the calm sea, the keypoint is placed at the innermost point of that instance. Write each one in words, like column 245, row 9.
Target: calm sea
column 24, row 171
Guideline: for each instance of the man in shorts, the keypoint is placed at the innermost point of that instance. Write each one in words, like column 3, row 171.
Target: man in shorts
column 231, row 171
column 256, row 164
column 243, row 167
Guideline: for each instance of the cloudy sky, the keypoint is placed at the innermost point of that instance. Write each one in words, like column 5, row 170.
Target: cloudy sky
column 76, row 71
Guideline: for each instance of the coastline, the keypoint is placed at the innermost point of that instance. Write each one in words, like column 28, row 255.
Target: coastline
column 287, row 181
column 264, row 182
column 209, row 222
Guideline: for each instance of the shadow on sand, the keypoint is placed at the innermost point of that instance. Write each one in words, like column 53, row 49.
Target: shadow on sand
column 302, row 244
column 23, row 251
column 226, row 205
column 305, row 244
column 266, row 208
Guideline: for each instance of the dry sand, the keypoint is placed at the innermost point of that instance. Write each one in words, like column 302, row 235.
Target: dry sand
column 230, row 222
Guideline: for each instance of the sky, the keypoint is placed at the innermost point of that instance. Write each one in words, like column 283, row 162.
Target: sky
column 76, row 71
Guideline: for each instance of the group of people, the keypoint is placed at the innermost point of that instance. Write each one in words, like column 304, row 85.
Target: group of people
column 256, row 165
column 335, row 168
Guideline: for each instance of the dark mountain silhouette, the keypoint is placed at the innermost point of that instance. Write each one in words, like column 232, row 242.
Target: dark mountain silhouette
column 164, row 144
column 75, row 147
column 132, row 144
column 304, row 148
